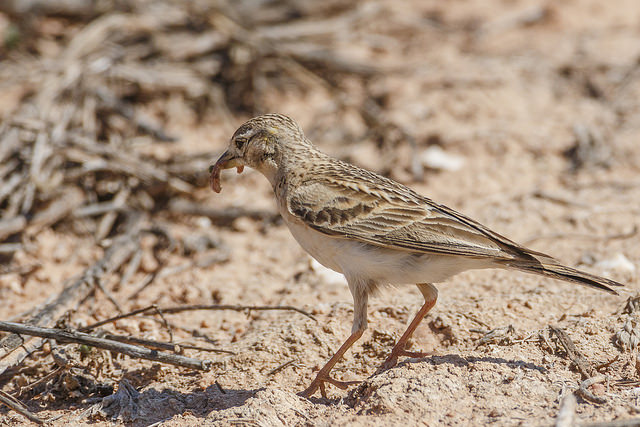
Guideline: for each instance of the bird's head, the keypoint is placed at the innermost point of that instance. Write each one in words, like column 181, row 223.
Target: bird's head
column 259, row 144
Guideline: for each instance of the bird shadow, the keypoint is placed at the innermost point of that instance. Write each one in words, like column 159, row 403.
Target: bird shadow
column 459, row 361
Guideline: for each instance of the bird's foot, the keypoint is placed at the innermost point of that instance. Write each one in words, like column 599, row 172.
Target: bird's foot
column 397, row 351
column 319, row 383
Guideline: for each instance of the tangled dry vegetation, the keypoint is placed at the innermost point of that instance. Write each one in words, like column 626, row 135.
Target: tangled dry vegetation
column 108, row 109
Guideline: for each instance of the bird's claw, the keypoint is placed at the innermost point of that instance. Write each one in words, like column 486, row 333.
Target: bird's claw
column 392, row 360
column 319, row 383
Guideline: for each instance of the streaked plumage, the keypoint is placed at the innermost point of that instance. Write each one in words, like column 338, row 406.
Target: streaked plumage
column 372, row 229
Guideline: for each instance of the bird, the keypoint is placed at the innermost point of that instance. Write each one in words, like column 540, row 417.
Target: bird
column 375, row 231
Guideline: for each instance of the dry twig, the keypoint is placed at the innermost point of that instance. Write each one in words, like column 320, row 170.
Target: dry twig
column 572, row 352
column 567, row 413
column 17, row 406
column 159, row 345
column 281, row 367
column 584, row 392
column 70, row 336
column 220, row 216
column 247, row 308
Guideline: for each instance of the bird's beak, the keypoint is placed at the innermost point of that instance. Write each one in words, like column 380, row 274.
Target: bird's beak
column 226, row 161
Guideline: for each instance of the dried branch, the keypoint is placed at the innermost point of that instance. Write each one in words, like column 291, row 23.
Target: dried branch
column 281, row 367
column 70, row 336
column 161, row 345
column 131, row 314
column 220, row 216
column 127, row 111
column 11, row 226
column 573, row 353
column 78, row 8
column 502, row 334
column 106, row 222
column 9, row 186
column 9, row 248
column 247, row 308
column 583, row 390
column 17, row 406
column 567, row 414
column 118, row 317
column 61, row 207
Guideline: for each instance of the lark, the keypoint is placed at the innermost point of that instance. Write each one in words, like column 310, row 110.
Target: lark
column 373, row 230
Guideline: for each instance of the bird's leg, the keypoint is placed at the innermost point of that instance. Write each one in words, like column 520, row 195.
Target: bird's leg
column 430, row 294
column 360, row 291
column 399, row 348
column 323, row 375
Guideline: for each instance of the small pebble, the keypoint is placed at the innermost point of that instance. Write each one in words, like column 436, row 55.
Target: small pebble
column 435, row 157
column 618, row 263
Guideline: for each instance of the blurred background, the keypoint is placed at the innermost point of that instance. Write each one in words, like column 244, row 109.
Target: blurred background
column 523, row 114
column 104, row 97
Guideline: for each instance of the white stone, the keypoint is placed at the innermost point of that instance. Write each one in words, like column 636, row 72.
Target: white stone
column 435, row 157
column 618, row 263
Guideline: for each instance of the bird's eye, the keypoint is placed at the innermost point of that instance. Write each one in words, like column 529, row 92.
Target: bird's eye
column 240, row 142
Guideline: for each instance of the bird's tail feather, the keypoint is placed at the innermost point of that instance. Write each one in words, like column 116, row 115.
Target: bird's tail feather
column 552, row 268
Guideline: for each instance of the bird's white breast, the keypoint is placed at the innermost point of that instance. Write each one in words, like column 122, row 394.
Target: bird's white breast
column 381, row 265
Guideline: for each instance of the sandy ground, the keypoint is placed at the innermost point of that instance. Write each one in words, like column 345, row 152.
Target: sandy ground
column 501, row 86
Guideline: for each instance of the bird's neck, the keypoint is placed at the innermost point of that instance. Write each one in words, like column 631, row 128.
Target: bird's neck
column 292, row 166
column 270, row 170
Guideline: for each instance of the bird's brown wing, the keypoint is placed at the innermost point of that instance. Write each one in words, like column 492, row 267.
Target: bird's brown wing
column 382, row 212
